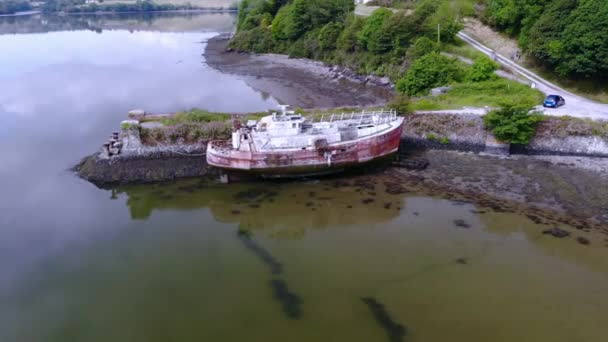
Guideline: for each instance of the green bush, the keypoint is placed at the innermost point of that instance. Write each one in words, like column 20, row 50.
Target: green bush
column 513, row 123
column 431, row 70
column 195, row 116
column 371, row 36
column 348, row 40
column 400, row 103
column 280, row 22
column 422, row 46
column 482, row 70
column 256, row 40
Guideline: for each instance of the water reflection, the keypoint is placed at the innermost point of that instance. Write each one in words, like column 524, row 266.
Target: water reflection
column 62, row 92
column 164, row 262
column 147, row 21
column 287, row 209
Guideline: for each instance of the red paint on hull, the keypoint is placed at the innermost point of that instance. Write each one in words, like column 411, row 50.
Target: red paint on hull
column 309, row 161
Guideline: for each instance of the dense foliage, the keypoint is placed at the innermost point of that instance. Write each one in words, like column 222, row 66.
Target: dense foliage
column 482, row 70
column 569, row 35
column 328, row 30
column 513, row 123
column 14, row 6
column 430, row 70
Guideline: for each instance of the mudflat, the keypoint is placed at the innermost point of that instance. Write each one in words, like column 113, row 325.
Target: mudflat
column 297, row 82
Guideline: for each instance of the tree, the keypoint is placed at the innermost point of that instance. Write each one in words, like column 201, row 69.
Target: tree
column 544, row 38
column 431, row 70
column 422, row 46
column 348, row 41
column 279, row 23
column 585, row 47
column 370, row 35
column 328, row 35
column 482, row 70
column 513, row 123
column 400, row 103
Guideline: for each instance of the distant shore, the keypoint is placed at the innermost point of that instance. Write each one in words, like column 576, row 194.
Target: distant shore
column 198, row 10
column 20, row 14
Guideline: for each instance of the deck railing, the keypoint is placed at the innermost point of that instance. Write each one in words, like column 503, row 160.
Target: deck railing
column 361, row 118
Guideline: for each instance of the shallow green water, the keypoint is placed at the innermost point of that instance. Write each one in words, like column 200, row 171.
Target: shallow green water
column 291, row 261
column 197, row 262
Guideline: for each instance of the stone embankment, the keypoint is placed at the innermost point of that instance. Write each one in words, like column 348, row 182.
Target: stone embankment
column 126, row 159
column 451, row 131
column 464, row 131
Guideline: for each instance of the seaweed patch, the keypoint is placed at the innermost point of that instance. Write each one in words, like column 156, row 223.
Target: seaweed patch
column 258, row 195
column 275, row 266
column 290, row 301
column 461, row 224
column 396, row 332
column 462, row 261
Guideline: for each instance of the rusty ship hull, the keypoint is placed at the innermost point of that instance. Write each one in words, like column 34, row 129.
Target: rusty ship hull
column 302, row 162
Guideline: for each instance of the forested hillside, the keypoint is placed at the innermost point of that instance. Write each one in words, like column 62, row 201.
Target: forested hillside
column 404, row 45
column 13, row 6
column 328, row 30
column 568, row 35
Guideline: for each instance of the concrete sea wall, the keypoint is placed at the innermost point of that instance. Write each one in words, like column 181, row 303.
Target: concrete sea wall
column 466, row 132
column 124, row 159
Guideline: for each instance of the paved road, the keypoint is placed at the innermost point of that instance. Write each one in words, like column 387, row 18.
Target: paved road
column 364, row 10
column 576, row 105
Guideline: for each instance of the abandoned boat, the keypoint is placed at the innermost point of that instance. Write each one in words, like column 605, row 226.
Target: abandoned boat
column 288, row 144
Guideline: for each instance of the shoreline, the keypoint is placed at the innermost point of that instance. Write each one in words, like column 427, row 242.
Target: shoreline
column 299, row 82
column 463, row 157
column 572, row 185
column 200, row 10
column 20, row 14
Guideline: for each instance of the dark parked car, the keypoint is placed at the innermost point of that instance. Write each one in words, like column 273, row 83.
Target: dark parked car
column 554, row 101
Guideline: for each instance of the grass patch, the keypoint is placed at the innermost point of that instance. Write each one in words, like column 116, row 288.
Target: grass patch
column 194, row 116
column 186, row 133
column 126, row 126
column 462, row 49
column 492, row 93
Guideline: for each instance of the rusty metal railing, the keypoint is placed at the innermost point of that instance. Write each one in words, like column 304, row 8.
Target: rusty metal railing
column 363, row 117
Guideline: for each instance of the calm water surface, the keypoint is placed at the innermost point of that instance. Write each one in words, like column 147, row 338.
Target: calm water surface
column 303, row 261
